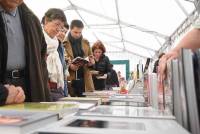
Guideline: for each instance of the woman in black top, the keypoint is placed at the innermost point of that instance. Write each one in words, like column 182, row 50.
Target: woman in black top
column 102, row 63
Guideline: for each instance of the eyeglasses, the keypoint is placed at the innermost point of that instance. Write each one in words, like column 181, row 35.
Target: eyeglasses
column 63, row 29
column 58, row 24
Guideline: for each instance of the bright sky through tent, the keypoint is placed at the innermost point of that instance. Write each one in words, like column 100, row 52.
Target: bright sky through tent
column 125, row 26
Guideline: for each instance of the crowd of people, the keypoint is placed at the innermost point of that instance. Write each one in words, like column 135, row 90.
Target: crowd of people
column 36, row 57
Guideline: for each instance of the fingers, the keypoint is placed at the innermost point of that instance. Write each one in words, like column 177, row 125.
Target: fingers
column 20, row 97
column 71, row 67
column 92, row 61
column 162, row 65
column 173, row 57
column 12, row 90
column 11, row 94
column 80, row 64
column 69, row 61
column 74, row 67
column 91, row 57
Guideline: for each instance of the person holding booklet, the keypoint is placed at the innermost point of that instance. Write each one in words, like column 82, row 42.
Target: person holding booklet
column 76, row 46
column 102, row 65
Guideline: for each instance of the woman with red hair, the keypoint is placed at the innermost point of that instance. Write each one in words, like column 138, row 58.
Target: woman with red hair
column 102, row 63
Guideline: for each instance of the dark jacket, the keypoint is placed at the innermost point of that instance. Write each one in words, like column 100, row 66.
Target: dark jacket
column 3, row 94
column 103, row 67
column 35, row 51
column 61, row 52
column 155, row 68
column 112, row 79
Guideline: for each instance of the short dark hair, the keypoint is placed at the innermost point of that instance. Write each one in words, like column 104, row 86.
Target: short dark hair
column 66, row 25
column 76, row 23
column 43, row 20
column 54, row 14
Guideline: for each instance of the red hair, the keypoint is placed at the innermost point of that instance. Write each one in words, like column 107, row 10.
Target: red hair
column 98, row 45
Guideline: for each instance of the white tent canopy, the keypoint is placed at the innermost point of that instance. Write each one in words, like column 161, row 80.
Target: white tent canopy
column 132, row 28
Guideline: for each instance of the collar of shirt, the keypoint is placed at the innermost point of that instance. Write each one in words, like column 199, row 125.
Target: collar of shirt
column 12, row 13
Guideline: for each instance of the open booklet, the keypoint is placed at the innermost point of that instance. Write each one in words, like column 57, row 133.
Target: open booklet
column 80, row 60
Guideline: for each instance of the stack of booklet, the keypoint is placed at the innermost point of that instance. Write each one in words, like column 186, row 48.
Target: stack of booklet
column 100, row 94
column 23, row 122
column 83, row 102
column 128, row 111
column 96, row 101
column 127, row 98
column 61, row 108
column 104, row 95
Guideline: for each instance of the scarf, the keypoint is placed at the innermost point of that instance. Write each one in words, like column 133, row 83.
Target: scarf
column 76, row 46
column 54, row 65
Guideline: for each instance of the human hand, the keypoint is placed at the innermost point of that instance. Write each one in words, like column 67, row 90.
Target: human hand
column 61, row 34
column 91, row 60
column 73, row 67
column 20, row 96
column 11, row 94
column 102, row 77
column 163, row 63
column 68, row 60
column 15, row 94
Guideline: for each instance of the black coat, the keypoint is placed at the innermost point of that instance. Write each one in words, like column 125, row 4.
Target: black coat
column 112, row 79
column 103, row 67
column 35, row 51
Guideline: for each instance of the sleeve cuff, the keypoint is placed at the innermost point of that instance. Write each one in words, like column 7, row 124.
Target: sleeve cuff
column 3, row 95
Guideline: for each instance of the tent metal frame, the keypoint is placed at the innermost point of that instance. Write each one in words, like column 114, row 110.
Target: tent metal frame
column 169, row 40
